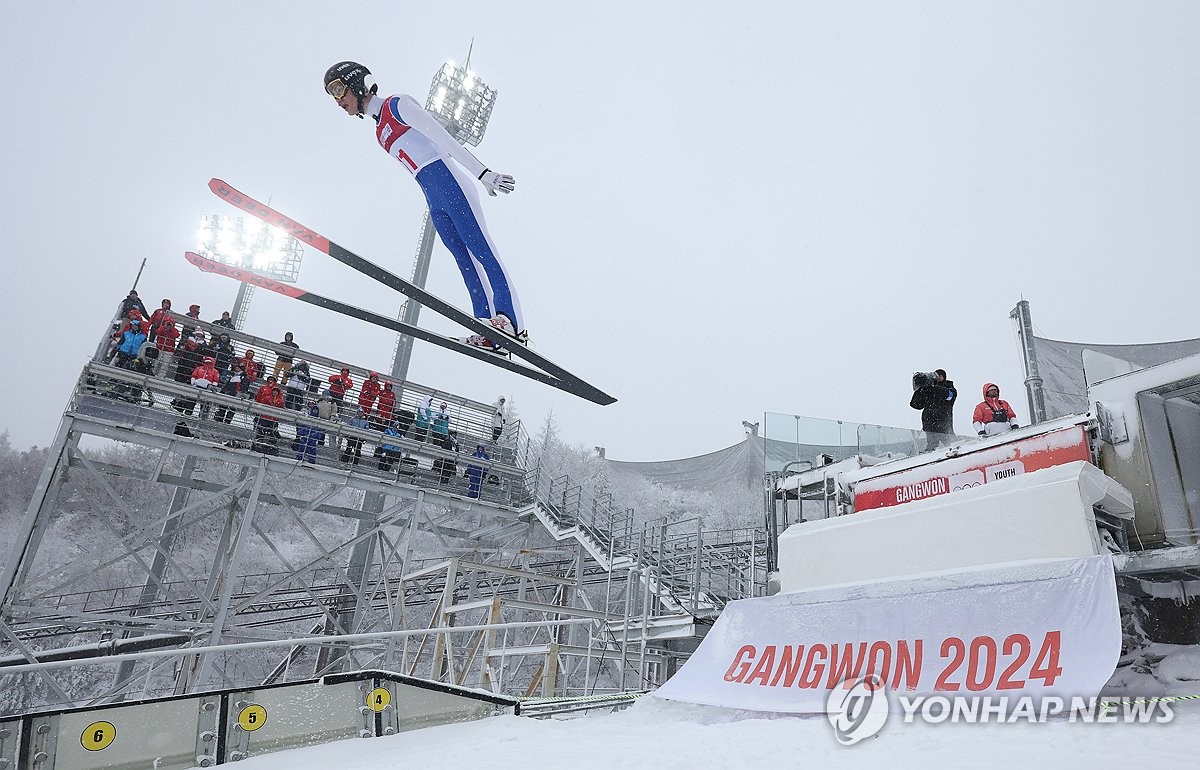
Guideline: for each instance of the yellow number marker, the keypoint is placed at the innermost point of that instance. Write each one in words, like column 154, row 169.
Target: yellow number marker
column 252, row 717
column 379, row 699
column 98, row 736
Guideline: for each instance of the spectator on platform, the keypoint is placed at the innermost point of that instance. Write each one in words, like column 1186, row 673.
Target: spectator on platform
column 250, row 369
column 424, row 419
column 159, row 316
column 993, row 415
column 441, row 424
column 339, row 385
column 446, row 467
column 353, row 451
column 130, row 343
column 388, row 450
column 327, row 410
column 497, row 418
column 266, row 429
column 188, row 356
column 225, row 321
column 202, row 376
column 283, row 361
column 934, row 395
column 223, row 352
column 131, row 302
column 298, row 378
column 119, row 333
column 475, row 471
column 205, row 377
column 142, row 363
column 368, row 393
column 165, row 338
column 194, row 314
column 308, row 435
column 386, row 407
column 234, row 385
column 404, row 420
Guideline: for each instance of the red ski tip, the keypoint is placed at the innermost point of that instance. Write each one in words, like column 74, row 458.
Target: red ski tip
column 235, row 197
column 245, row 276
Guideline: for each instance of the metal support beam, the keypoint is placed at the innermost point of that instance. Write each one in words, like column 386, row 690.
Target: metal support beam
column 412, row 310
column 1033, row 379
column 233, row 567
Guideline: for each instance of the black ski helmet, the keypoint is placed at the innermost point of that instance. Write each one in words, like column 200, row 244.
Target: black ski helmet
column 355, row 77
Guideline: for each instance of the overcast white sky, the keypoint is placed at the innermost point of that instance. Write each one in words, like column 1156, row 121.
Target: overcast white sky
column 721, row 209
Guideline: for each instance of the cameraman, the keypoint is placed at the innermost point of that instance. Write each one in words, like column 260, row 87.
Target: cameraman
column 934, row 395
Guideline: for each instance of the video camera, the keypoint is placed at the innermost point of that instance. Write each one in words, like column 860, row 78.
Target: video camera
column 922, row 379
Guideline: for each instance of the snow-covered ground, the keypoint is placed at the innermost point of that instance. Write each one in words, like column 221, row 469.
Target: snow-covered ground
column 664, row 735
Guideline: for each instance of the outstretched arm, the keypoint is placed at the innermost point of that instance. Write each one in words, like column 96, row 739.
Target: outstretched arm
column 419, row 118
column 416, row 116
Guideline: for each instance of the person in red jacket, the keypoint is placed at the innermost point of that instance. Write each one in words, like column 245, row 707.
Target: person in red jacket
column 339, row 384
column 387, row 405
column 165, row 338
column 156, row 318
column 270, row 394
column 368, row 394
column 993, row 415
column 250, row 367
column 134, row 315
column 266, row 429
column 206, row 377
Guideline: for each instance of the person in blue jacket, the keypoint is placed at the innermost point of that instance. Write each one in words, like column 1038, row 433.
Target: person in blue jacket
column 475, row 472
column 353, row 450
column 446, row 172
column 388, row 450
column 131, row 342
column 307, row 438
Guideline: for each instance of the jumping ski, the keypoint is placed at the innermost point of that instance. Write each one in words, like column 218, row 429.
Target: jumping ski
column 450, row 343
column 567, row 381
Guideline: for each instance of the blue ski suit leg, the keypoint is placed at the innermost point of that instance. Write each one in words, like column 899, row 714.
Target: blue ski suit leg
column 457, row 216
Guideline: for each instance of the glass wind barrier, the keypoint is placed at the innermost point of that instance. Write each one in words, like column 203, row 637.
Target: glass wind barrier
column 798, row 443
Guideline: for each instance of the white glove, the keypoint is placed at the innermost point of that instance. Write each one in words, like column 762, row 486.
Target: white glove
column 493, row 182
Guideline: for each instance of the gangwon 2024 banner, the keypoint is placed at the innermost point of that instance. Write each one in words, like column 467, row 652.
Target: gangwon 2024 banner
column 1042, row 628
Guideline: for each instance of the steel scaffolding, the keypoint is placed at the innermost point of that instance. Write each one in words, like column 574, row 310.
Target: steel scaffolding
column 134, row 572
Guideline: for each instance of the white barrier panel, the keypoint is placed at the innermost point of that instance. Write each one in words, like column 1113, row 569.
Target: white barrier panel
column 1045, row 628
column 1046, row 514
column 975, row 467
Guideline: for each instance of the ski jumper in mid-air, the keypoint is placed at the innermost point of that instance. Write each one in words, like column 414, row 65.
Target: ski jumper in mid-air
column 440, row 164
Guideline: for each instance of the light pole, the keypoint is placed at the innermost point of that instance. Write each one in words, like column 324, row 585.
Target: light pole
column 463, row 104
column 250, row 245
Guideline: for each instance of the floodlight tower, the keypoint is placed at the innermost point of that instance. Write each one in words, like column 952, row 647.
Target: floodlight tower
column 250, row 245
column 463, row 104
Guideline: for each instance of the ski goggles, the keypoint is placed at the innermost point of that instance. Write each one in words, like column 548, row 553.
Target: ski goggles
column 335, row 88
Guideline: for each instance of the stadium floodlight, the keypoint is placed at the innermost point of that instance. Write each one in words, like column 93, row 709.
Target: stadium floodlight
column 250, row 245
column 461, row 102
